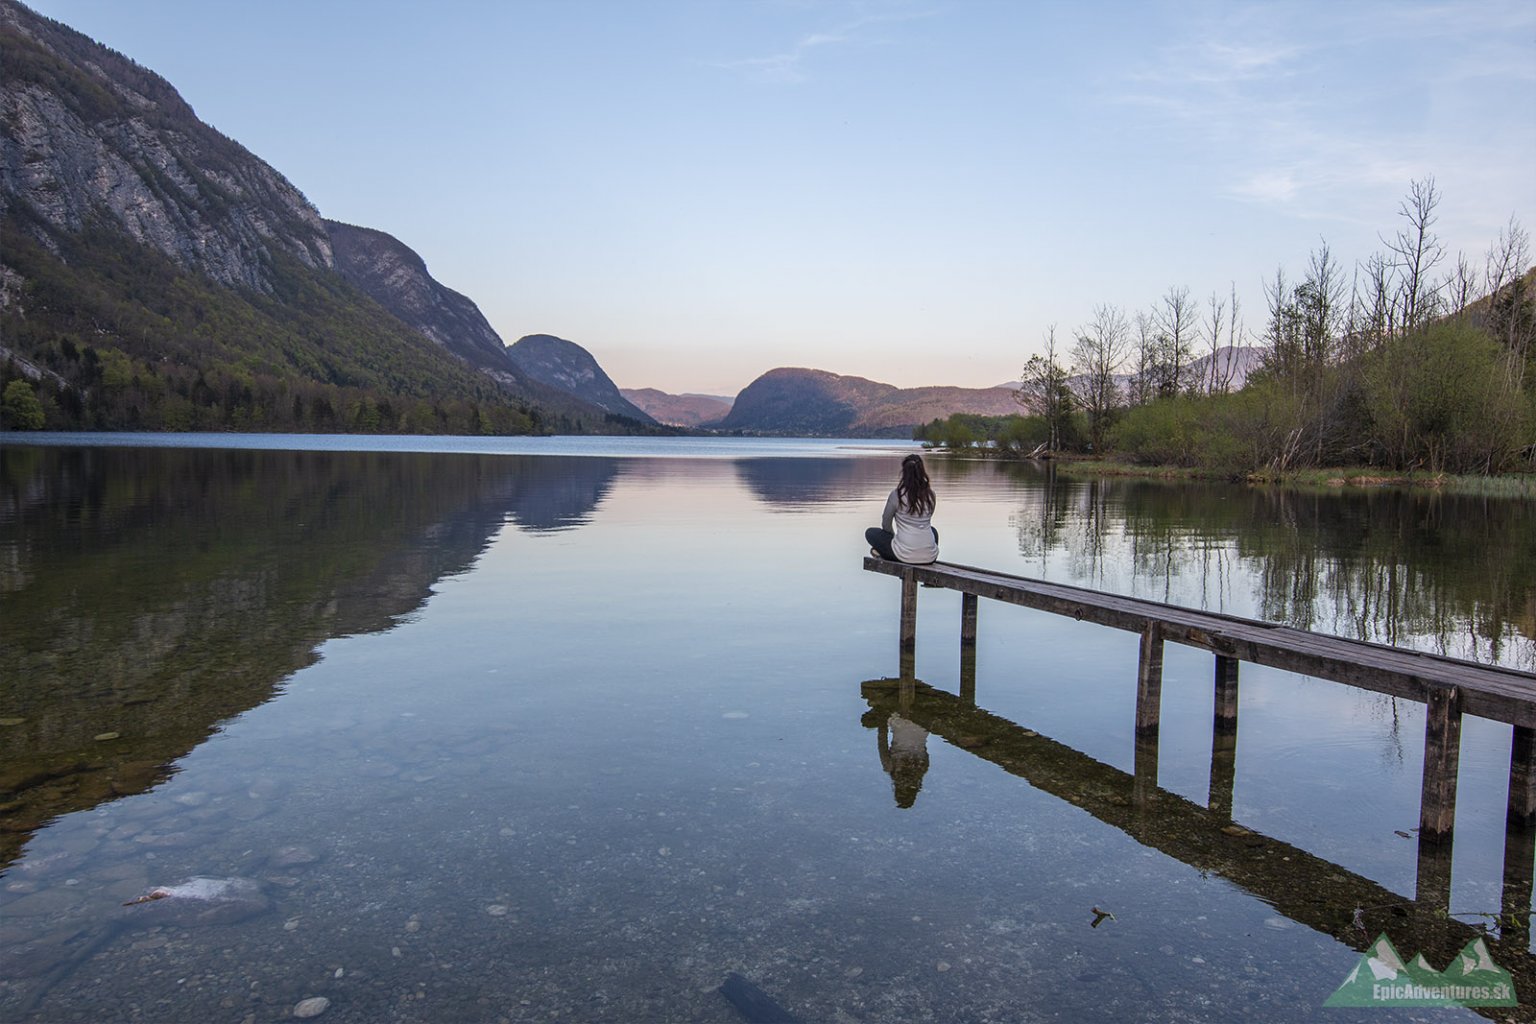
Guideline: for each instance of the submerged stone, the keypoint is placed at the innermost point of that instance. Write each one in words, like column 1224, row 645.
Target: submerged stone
column 201, row 901
column 311, row 1007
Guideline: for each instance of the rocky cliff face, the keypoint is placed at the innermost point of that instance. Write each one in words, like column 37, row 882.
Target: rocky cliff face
column 394, row 276
column 815, row 402
column 90, row 135
column 566, row 365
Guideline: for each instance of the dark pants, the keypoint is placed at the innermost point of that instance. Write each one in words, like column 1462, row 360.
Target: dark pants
column 880, row 540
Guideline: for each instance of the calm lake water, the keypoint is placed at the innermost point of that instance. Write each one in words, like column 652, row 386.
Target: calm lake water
column 575, row 729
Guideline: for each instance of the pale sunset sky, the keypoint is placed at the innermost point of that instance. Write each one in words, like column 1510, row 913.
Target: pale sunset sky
column 698, row 191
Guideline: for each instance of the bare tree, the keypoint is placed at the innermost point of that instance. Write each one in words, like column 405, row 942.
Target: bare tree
column 1507, row 257
column 1096, row 356
column 1215, row 320
column 1176, row 320
column 1377, row 317
column 1236, row 336
column 1043, row 390
column 1144, row 376
column 1461, row 286
column 1417, row 252
column 1511, row 306
column 1282, row 335
column 1319, row 301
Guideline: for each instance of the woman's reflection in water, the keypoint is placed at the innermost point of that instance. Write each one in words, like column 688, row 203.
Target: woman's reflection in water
column 904, row 756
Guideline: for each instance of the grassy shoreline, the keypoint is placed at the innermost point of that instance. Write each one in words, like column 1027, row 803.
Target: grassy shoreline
column 1510, row 485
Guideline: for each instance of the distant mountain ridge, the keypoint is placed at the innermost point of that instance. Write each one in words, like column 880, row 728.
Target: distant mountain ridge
column 684, row 410
column 796, row 400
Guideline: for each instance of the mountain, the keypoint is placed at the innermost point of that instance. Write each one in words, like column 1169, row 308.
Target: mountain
column 570, row 368
column 679, row 410
column 154, row 274
column 816, row 402
column 394, row 276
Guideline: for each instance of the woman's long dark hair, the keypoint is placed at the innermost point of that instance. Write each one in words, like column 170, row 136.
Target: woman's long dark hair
column 914, row 490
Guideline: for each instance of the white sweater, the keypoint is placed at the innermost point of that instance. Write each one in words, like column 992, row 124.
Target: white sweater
column 914, row 533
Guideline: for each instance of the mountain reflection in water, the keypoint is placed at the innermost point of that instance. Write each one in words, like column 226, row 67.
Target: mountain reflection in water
column 149, row 595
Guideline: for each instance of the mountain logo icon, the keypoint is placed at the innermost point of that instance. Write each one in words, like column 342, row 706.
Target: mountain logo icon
column 1383, row 978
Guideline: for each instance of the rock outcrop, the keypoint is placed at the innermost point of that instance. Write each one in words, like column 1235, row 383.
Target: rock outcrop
column 88, row 134
column 818, row 403
column 393, row 275
column 566, row 365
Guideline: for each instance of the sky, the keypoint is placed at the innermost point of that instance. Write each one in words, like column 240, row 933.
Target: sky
column 698, row 191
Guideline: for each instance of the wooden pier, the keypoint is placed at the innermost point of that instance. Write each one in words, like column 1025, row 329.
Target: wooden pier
column 1448, row 687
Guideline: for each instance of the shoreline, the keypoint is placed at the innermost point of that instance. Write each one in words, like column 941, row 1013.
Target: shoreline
column 1330, row 478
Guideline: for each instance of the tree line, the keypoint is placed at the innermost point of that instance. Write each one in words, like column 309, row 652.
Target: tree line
column 1409, row 359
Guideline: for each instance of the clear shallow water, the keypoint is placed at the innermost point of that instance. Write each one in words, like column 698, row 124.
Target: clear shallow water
column 534, row 738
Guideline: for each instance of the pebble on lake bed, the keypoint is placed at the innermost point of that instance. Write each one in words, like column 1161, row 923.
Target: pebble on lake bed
column 312, row 1007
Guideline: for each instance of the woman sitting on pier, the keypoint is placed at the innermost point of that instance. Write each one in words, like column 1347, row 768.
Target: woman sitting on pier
column 909, row 508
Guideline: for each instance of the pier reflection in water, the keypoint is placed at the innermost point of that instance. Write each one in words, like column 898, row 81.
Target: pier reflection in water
column 906, row 713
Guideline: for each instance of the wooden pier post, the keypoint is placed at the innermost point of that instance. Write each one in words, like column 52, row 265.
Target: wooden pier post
column 1149, row 694
column 1442, row 757
column 1519, row 840
column 1432, row 891
column 1149, row 681
column 968, row 674
column 1515, row 906
column 1224, row 738
column 1522, row 777
column 968, row 604
column 1144, row 773
column 1226, row 694
column 908, row 610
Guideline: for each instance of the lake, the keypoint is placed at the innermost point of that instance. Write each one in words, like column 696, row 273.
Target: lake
column 577, row 729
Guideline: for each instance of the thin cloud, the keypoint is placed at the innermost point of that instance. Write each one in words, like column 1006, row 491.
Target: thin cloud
column 789, row 66
column 1256, row 94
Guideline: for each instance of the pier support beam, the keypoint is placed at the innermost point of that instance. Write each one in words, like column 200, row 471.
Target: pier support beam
column 1149, row 694
column 908, row 610
column 1519, row 841
column 1522, row 778
column 1432, row 891
column 1149, row 681
column 1224, row 738
column 968, row 604
column 968, row 675
column 1442, row 757
column 1144, row 773
column 1226, row 694
column 1515, row 906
